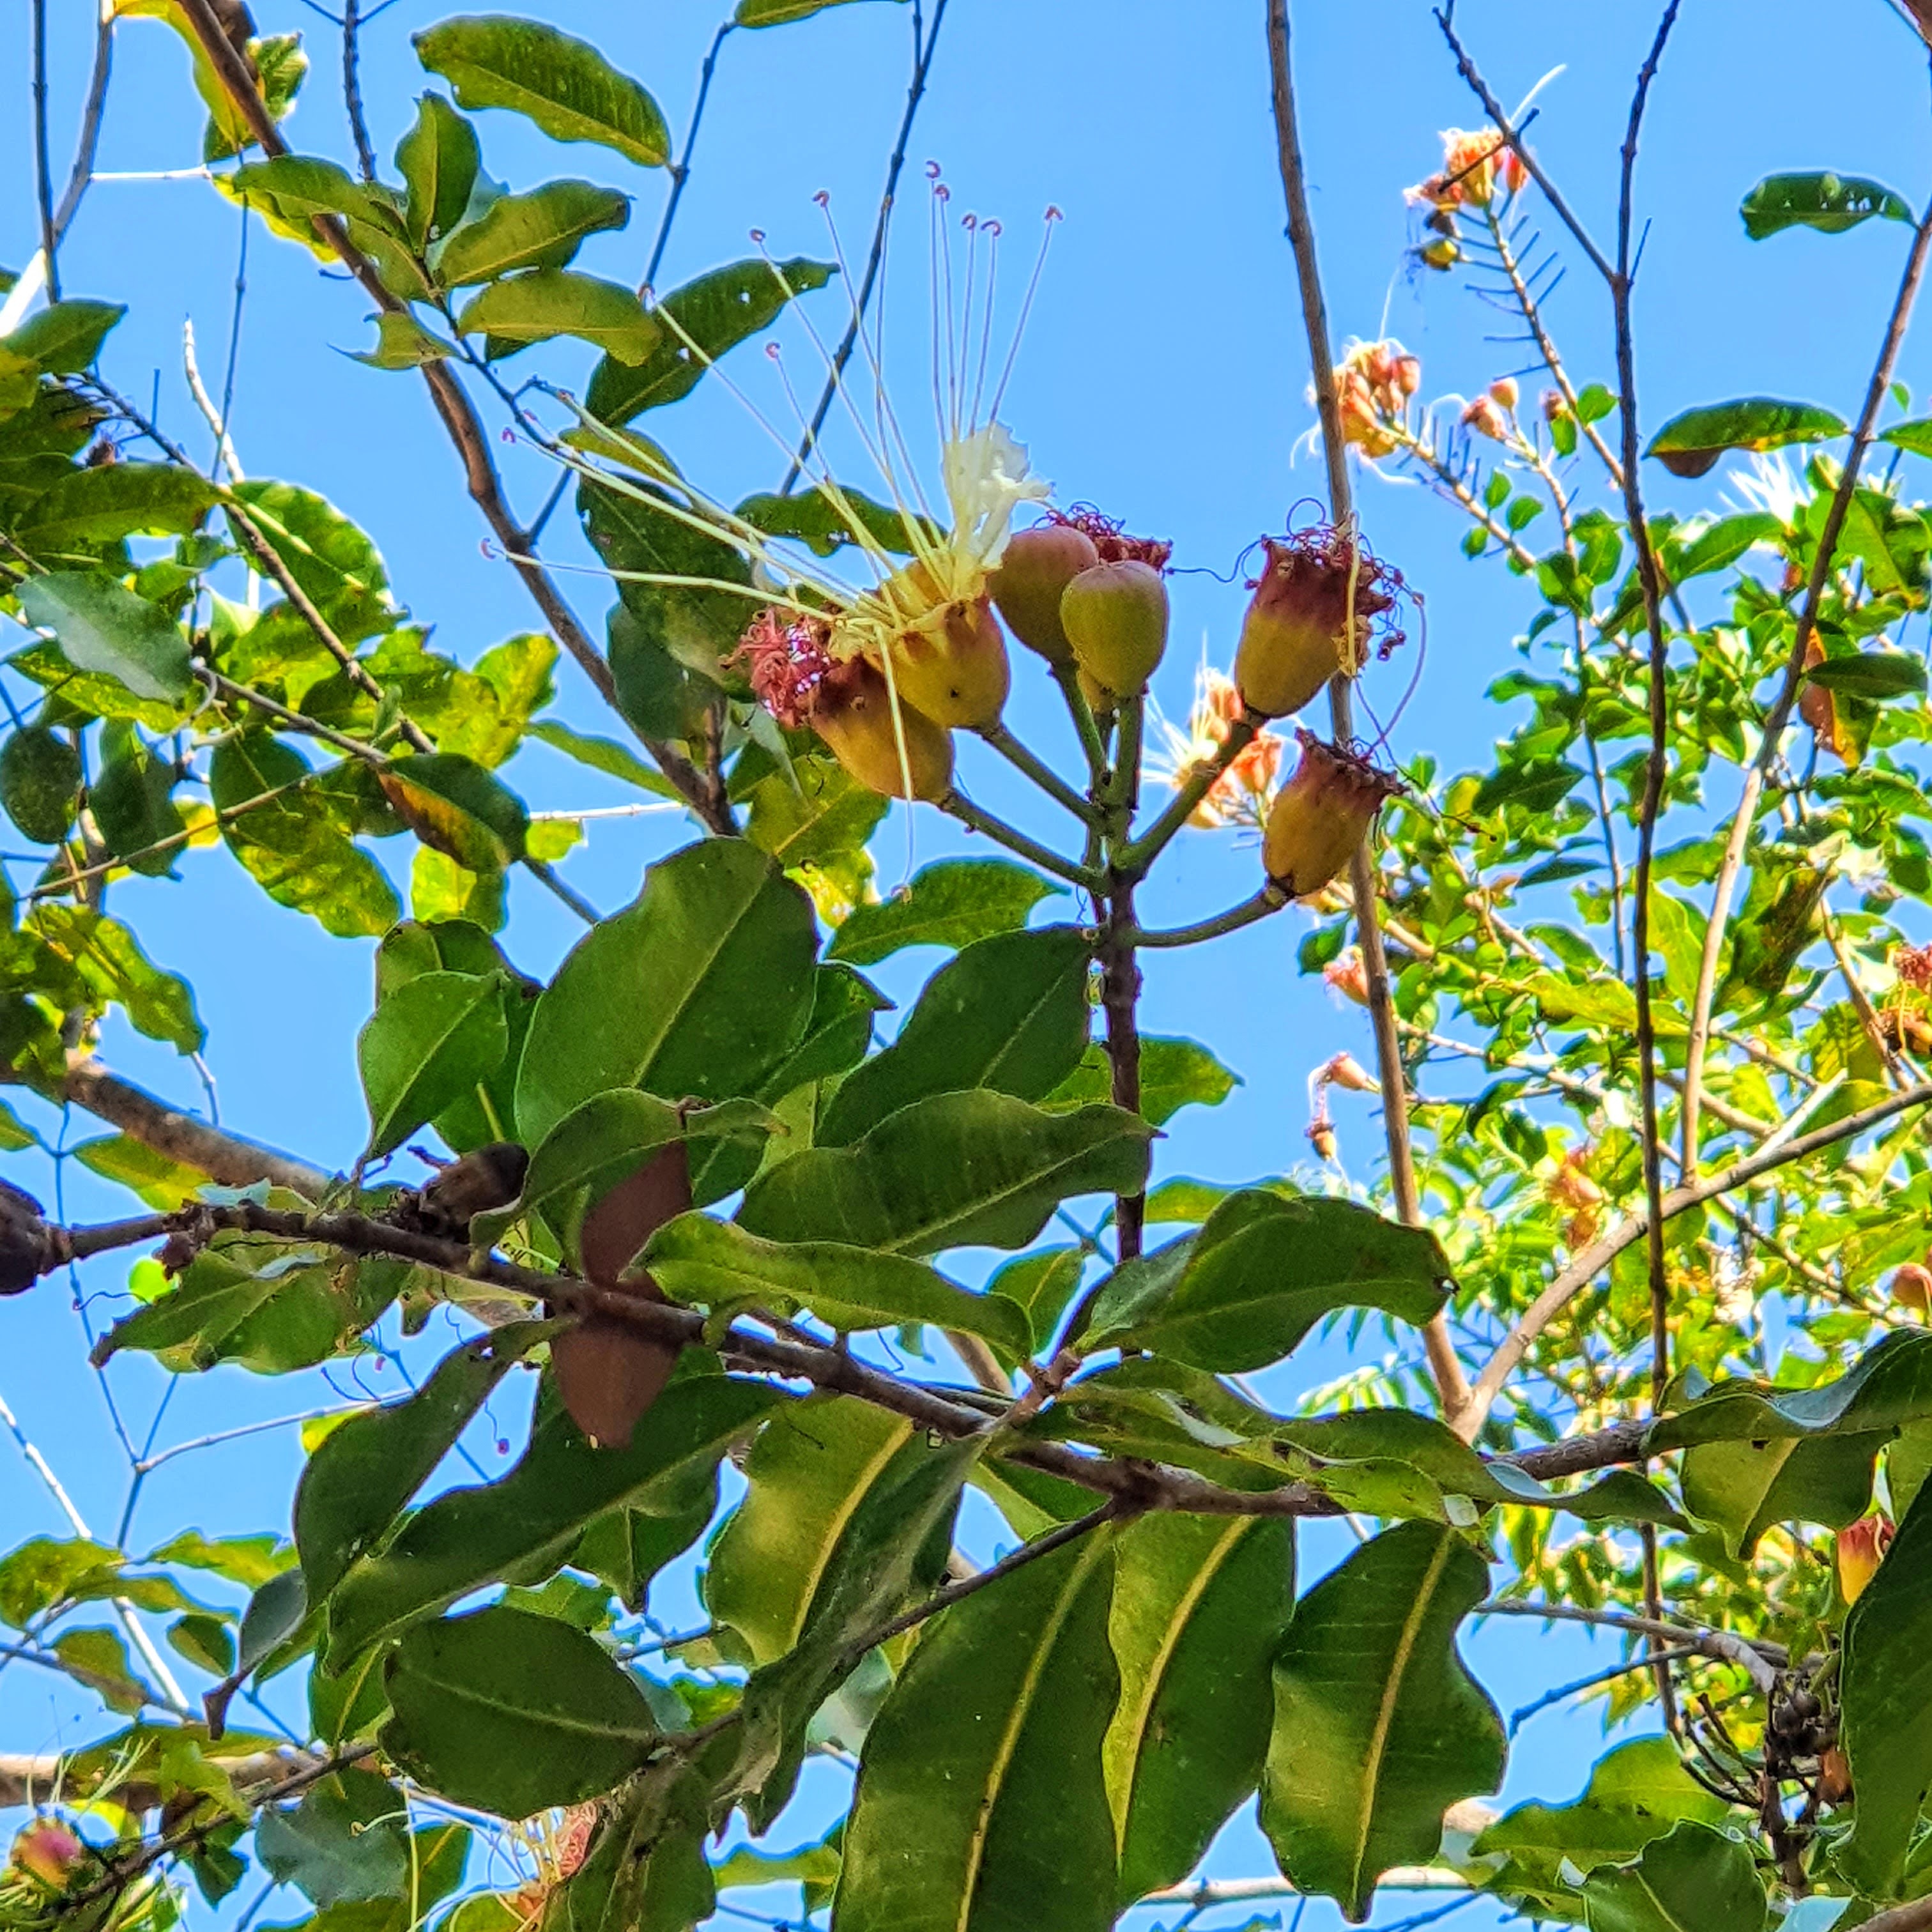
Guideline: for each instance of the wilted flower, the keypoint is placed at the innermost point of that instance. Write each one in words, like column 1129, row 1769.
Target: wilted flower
column 1913, row 965
column 1349, row 975
column 1240, row 796
column 1484, row 415
column 1321, row 815
column 1861, row 1550
column 1372, row 385
column 1475, row 166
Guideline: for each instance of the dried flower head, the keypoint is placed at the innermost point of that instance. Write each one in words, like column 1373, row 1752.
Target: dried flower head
column 1913, row 965
column 1476, row 166
column 1484, row 415
column 1240, row 796
column 787, row 656
column 1320, row 816
column 1109, row 538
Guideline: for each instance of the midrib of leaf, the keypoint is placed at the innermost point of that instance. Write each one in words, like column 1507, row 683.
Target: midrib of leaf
column 428, row 1061
column 1405, row 1651
column 1015, row 1040
column 854, row 1496
column 696, row 980
column 550, row 1718
column 1663, row 1912
column 1157, row 1672
column 1022, row 1707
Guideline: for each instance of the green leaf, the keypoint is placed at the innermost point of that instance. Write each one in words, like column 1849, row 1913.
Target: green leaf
column 338, row 567
column 1378, row 1727
column 438, row 159
column 778, row 12
column 952, row 903
column 426, row 1045
column 696, row 1258
column 298, row 856
column 1829, row 202
column 1201, row 1606
column 1174, row 1074
column 825, row 522
column 403, row 343
column 101, row 627
column 1745, row 1488
column 1690, row 444
column 366, row 1469
column 65, row 337
column 811, row 1468
column 700, row 988
column 958, row 1170
column 1916, row 435
column 206, row 1642
column 603, row 755
column 163, row 1183
column 565, row 86
column 300, row 187
column 1043, row 1284
column 40, row 783
column 1010, row 1015
column 703, row 320
column 530, row 1518
column 549, row 302
column 981, row 1801
column 250, row 1561
column 133, row 801
column 1260, row 1273
column 514, row 1713
column 542, row 229
column 344, row 1842
column 1696, row 1879
column 659, row 696
column 44, row 1572
column 89, row 508
column 1874, row 675
column 457, row 808
column 1884, row 1681
column 99, row 1659
column 107, row 959
column 815, row 813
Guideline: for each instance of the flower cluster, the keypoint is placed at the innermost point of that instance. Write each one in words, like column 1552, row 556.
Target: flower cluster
column 1240, row 796
column 1372, row 385
column 1476, row 167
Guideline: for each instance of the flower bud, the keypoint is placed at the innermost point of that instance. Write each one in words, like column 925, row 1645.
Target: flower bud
column 1320, row 816
column 1349, row 976
column 1297, row 635
column 1486, row 418
column 1861, row 1549
column 953, row 664
column 1505, row 393
column 1116, row 618
column 1911, row 1288
column 1037, row 566
column 1835, row 1776
column 1346, row 1072
column 1322, row 1137
column 852, row 712
column 48, row 1851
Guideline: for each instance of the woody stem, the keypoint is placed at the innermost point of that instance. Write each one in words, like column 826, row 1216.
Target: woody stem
column 955, row 805
column 1042, row 775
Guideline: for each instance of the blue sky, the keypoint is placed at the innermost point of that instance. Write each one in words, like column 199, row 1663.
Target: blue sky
column 1163, row 375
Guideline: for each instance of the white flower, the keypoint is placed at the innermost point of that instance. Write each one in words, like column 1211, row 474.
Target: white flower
column 987, row 479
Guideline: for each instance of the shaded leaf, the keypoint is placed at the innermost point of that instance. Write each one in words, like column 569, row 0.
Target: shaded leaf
column 951, row 903
column 427, row 1045
column 1690, row 444
column 101, row 627
column 1696, row 1879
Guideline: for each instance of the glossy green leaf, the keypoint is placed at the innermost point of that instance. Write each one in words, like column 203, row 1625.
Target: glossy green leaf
column 365, row 1471
column 428, row 1044
column 1696, row 1879
column 101, row 627
column 1874, row 675
column 438, row 159
column 1010, row 1015
column 1174, row 1074
column 696, row 1258
column 1884, row 1680
column 1745, row 1488
column 65, row 337
column 815, row 814
column 457, row 808
column 549, row 302
column 335, row 562
column 1201, row 1606
column 1690, row 444
column 564, row 84
column 1043, row 1284
column 958, row 1170
column 533, row 1515
column 300, row 187
column 514, row 1713
column 826, row 522
column 778, row 12
column 602, row 755
column 1378, row 1727
column 699, row 989
column 542, row 229
column 40, row 782
column 981, row 1800
column 700, row 321
column 950, row 903
column 89, row 509
column 298, row 856
column 1260, row 1273
column 1829, row 202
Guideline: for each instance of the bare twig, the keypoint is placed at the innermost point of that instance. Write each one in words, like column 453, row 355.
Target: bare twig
column 1518, row 1718
column 1601, row 1253
column 924, row 43
column 1761, row 1661
column 352, row 88
column 1745, row 816
column 88, row 144
column 1451, row 1387
column 43, row 177
column 680, row 172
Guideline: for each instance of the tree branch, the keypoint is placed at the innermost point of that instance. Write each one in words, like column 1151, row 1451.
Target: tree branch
column 88, row 144
column 1451, row 1387
column 680, row 173
column 1601, row 1253
column 43, row 177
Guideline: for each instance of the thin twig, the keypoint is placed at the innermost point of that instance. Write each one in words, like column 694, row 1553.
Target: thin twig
column 1269, row 900
column 43, row 176
column 680, row 172
column 81, row 176
column 1519, row 1717
column 1761, row 1659
column 1451, row 1386
column 923, row 44
column 1745, row 816
column 1601, row 1253
column 352, row 89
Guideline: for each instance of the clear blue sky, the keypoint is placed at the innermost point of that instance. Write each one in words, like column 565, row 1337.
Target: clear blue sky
column 1163, row 375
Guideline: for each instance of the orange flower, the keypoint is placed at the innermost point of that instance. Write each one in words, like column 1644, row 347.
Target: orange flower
column 1240, row 796
column 1486, row 418
column 1373, row 387
column 1475, row 166
column 1348, row 976
column 1861, row 1550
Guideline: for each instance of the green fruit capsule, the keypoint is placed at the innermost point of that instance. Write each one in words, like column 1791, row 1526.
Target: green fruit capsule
column 1034, row 571
column 1116, row 619
column 40, row 783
